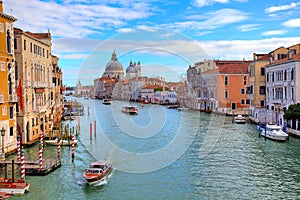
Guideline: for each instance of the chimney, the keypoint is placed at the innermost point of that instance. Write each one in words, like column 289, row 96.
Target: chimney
column 1, row 6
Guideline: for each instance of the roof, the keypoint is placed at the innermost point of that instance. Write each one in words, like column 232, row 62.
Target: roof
column 152, row 87
column 39, row 35
column 294, row 57
column 8, row 17
column 233, row 68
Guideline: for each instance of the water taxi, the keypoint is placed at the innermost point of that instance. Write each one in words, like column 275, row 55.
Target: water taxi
column 130, row 110
column 97, row 171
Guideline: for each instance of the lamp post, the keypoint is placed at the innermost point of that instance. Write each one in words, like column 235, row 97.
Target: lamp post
column 3, row 134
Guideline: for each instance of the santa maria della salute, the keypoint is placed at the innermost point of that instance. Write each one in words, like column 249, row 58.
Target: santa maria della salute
column 116, row 85
column 114, row 69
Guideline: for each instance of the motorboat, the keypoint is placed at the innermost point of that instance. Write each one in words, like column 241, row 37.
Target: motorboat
column 273, row 132
column 172, row 106
column 13, row 186
column 97, row 171
column 133, row 110
column 62, row 142
column 240, row 119
column 106, row 101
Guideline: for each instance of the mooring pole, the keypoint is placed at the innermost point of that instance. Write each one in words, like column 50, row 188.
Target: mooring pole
column 13, row 169
column 19, row 146
column 95, row 128
column 73, row 148
column 91, row 131
column 22, row 164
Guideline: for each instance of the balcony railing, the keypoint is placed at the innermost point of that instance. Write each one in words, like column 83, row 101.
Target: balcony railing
column 27, row 83
column 13, row 98
column 39, row 84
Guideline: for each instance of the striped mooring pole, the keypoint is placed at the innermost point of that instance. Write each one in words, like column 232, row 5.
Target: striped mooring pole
column 58, row 148
column 22, row 165
column 73, row 147
column 19, row 146
column 41, row 155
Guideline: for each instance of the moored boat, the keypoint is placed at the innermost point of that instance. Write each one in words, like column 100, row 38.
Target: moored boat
column 106, row 101
column 14, row 187
column 133, row 110
column 273, row 132
column 97, row 171
column 240, row 119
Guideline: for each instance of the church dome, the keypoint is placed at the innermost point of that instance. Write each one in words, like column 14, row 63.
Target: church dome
column 131, row 68
column 114, row 68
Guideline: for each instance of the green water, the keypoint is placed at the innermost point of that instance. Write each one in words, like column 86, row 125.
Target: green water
column 167, row 154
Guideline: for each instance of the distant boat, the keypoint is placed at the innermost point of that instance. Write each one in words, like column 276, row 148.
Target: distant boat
column 145, row 102
column 130, row 110
column 97, row 171
column 106, row 101
column 182, row 108
column 172, row 106
column 62, row 142
column 13, row 186
column 240, row 119
column 273, row 132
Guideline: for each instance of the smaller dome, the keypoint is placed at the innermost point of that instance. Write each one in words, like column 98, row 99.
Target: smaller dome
column 131, row 68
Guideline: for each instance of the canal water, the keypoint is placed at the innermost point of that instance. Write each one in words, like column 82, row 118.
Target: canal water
column 169, row 154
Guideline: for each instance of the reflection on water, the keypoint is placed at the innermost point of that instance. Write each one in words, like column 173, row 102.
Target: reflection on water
column 223, row 160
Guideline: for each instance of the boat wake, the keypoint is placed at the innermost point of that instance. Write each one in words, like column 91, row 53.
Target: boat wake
column 105, row 180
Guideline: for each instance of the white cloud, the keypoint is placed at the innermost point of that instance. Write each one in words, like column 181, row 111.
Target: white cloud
column 202, row 3
column 274, row 32
column 292, row 23
column 248, row 27
column 76, row 18
column 280, row 8
column 126, row 30
column 211, row 20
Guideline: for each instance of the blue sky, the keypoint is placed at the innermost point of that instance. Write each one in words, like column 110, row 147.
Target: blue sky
column 166, row 36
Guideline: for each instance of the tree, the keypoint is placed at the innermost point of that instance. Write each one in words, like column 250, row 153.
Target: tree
column 293, row 114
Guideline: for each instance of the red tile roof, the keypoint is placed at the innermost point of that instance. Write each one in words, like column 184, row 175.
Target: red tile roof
column 233, row 68
column 39, row 35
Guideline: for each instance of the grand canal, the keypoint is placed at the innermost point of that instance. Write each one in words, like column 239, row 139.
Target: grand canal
column 169, row 154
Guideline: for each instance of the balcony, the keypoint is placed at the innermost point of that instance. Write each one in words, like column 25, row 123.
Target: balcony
column 27, row 83
column 12, row 98
column 38, row 84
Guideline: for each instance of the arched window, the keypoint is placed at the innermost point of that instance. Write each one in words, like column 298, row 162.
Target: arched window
column 9, row 84
column 16, row 71
column 292, row 74
column 8, row 41
column 285, row 74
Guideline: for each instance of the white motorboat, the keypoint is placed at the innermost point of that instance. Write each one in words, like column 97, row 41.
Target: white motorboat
column 62, row 142
column 106, row 101
column 273, row 132
column 97, row 171
column 133, row 110
column 240, row 119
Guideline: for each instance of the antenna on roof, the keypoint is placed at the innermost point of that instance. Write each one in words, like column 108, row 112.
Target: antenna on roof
column 11, row 10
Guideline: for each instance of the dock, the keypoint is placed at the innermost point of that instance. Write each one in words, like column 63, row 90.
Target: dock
column 32, row 168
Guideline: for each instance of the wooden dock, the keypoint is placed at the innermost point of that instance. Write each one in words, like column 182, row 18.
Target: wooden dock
column 32, row 168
